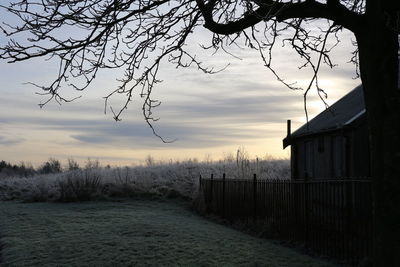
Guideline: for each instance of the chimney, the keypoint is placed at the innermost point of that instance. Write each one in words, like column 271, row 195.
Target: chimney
column 288, row 128
column 287, row 139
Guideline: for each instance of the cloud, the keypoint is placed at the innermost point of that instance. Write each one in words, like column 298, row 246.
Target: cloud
column 136, row 135
column 94, row 139
column 231, row 115
column 7, row 141
column 240, row 105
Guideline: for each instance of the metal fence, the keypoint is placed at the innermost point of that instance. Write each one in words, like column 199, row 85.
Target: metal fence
column 330, row 217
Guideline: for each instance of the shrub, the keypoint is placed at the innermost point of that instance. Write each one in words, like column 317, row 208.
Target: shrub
column 72, row 165
column 92, row 164
column 80, row 185
column 41, row 192
column 51, row 166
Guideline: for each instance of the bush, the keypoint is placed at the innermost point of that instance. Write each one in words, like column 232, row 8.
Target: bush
column 80, row 186
column 41, row 192
column 91, row 164
column 51, row 166
column 72, row 165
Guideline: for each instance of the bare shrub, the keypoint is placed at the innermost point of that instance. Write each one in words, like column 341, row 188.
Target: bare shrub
column 72, row 165
column 123, row 176
column 242, row 163
column 123, row 184
column 80, row 186
column 149, row 161
column 92, row 164
column 50, row 166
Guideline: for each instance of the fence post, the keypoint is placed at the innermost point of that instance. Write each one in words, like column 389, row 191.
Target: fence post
column 211, row 188
column 349, row 216
column 223, row 196
column 255, row 196
column 200, row 182
column 306, row 207
column 295, row 206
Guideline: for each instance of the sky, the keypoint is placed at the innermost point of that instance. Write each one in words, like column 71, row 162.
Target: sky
column 210, row 116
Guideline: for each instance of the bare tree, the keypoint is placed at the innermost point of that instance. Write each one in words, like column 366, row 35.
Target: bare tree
column 138, row 36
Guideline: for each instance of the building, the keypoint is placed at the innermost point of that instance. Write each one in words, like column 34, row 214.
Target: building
column 334, row 144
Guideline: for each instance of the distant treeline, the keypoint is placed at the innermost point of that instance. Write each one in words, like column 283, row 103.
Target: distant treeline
column 23, row 169
column 52, row 165
column 26, row 169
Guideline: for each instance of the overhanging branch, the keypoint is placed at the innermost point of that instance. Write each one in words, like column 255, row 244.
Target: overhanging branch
column 280, row 11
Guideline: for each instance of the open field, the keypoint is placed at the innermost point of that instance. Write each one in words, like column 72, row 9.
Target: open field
column 129, row 233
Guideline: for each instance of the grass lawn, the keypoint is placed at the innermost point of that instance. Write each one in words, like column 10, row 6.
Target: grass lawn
column 129, row 233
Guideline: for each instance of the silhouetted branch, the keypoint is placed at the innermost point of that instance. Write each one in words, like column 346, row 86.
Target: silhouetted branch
column 138, row 36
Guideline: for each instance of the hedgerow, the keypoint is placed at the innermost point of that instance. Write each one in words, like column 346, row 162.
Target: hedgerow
column 162, row 179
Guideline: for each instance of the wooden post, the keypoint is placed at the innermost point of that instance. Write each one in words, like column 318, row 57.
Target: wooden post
column 223, row 196
column 255, row 197
column 296, row 204
column 306, row 207
column 211, row 188
column 349, row 187
column 200, row 182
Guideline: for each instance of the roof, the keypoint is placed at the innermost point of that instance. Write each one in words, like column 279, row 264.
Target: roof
column 342, row 113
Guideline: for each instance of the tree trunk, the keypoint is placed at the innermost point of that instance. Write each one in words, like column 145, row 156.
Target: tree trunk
column 378, row 53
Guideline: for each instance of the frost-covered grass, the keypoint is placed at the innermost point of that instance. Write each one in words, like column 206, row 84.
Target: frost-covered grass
column 129, row 233
column 176, row 179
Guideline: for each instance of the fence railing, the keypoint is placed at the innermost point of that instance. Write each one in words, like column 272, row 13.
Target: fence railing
column 331, row 217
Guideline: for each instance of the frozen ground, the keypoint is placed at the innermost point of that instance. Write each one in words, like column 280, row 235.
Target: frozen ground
column 129, row 233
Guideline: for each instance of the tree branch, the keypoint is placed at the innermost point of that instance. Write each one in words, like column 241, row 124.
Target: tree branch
column 268, row 9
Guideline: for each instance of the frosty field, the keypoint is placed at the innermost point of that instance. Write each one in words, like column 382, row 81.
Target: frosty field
column 174, row 179
column 129, row 233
